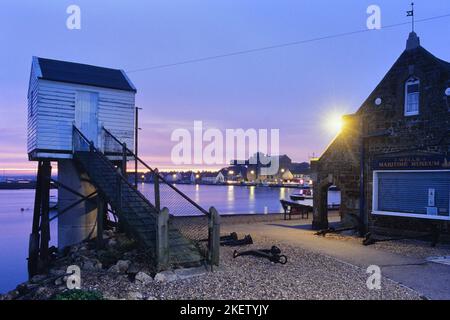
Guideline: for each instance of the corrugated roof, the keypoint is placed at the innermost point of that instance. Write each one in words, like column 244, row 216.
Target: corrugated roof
column 78, row 73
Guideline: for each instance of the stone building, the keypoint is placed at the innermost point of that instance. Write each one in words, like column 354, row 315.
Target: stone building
column 391, row 159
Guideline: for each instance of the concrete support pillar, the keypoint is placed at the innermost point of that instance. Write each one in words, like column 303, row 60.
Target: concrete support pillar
column 79, row 223
column 162, row 240
column 214, row 237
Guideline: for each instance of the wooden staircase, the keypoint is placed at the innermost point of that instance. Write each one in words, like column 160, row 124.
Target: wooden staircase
column 134, row 210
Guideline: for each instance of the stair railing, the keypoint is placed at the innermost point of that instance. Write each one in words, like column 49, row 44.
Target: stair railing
column 82, row 143
column 158, row 177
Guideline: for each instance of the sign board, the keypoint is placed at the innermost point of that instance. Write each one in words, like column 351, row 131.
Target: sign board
column 411, row 163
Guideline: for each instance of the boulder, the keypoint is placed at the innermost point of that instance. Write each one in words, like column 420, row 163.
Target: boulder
column 114, row 269
column 166, row 276
column 38, row 278
column 123, row 265
column 143, row 278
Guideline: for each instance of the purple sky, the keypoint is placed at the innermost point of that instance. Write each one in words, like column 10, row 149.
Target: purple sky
column 294, row 89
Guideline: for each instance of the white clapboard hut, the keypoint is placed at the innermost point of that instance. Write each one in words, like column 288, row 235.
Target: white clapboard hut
column 62, row 94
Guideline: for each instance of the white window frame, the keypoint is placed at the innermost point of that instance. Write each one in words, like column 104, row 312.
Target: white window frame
column 375, row 210
column 409, row 82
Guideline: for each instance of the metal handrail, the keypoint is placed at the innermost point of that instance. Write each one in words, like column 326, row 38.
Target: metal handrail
column 108, row 163
column 196, row 205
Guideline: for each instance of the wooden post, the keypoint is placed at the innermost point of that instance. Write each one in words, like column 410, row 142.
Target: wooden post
column 213, row 237
column 45, row 219
column 101, row 212
column 162, row 240
column 157, row 194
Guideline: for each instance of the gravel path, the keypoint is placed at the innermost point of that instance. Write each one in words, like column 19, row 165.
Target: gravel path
column 307, row 275
column 408, row 247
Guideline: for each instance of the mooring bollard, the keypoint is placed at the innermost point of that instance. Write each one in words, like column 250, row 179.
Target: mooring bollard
column 162, row 240
column 214, row 237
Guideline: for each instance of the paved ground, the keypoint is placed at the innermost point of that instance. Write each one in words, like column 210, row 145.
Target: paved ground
column 402, row 262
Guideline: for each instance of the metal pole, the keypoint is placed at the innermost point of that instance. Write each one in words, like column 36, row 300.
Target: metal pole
column 157, row 195
column 136, row 136
column 124, row 160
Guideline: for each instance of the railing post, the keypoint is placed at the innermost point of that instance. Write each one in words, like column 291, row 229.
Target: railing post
column 213, row 237
column 162, row 240
column 157, row 194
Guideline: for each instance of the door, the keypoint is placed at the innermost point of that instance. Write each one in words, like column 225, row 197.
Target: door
column 86, row 114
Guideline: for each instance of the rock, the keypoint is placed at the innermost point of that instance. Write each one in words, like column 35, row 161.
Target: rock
column 73, row 249
column 114, row 269
column 132, row 269
column 134, row 295
column 57, row 272
column 151, row 298
column 166, row 276
column 143, row 278
column 59, row 281
column 88, row 266
column 112, row 242
column 10, row 295
column 123, row 265
column 43, row 293
column 38, row 278
column 108, row 234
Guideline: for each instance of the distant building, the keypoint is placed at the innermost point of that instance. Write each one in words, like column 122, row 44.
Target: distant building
column 173, row 177
column 391, row 160
column 213, row 177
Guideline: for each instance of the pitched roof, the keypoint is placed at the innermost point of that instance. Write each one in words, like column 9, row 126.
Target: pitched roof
column 78, row 73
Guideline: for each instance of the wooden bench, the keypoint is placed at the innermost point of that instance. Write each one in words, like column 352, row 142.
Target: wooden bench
column 293, row 208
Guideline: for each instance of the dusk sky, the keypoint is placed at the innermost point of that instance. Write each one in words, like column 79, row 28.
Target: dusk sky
column 294, row 89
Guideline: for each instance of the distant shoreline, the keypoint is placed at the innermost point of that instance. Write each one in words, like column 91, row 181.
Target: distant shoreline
column 32, row 185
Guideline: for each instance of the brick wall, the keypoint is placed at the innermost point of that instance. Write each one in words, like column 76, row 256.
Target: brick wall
column 386, row 130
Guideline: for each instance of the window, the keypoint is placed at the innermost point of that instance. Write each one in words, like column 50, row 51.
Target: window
column 417, row 194
column 412, row 97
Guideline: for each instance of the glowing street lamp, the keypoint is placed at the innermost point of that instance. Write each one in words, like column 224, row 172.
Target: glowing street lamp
column 334, row 123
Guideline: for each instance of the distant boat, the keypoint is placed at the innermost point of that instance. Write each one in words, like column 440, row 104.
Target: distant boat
column 297, row 197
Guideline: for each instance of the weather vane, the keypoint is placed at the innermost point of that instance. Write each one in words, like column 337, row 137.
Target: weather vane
column 411, row 14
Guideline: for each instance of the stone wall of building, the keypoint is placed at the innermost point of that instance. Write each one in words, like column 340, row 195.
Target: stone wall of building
column 383, row 130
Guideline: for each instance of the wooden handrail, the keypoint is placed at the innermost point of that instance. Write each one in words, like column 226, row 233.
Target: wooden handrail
column 108, row 163
column 196, row 205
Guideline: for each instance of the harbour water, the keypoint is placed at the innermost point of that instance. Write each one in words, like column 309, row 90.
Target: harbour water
column 16, row 213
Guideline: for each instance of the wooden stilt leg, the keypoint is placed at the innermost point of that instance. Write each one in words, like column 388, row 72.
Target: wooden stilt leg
column 45, row 224
column 33, row 249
